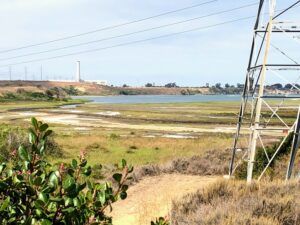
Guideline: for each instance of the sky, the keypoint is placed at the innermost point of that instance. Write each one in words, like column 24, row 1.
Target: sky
column 217, row 54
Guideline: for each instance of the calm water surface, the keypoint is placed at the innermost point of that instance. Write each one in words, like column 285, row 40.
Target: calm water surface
column 133, row 99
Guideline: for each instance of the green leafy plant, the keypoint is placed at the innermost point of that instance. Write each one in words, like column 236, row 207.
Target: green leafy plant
column 160, row 221
column 32, row 191
column 261, row 159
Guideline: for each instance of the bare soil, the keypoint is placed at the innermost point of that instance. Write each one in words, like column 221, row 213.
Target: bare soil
column 152, row 197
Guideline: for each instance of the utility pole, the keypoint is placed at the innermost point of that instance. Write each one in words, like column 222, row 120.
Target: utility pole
column 77, row 78
column 25, row 72
column 263, row 120
column 10, row 73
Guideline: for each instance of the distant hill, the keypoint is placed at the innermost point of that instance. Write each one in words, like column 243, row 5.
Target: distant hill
column 84, row 88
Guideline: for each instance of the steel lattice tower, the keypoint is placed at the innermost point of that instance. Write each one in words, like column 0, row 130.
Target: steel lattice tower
column 262, row 112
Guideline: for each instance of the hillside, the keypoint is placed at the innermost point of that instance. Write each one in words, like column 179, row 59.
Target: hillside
column 95, row 89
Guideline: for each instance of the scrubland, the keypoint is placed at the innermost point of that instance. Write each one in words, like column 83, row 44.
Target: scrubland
column 234, row 202
column 187, row 140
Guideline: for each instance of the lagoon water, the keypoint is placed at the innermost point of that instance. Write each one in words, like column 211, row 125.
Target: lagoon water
column 135, row 99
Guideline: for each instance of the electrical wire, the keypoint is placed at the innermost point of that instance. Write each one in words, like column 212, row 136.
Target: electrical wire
column 133, row 42
column 111, row 27
column 132, row 33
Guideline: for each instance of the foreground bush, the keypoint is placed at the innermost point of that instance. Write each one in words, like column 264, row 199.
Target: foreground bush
column 32, row 191
column 233, row 202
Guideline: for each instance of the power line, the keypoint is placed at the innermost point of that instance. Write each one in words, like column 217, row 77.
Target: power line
column 132, row 42
column 132, row 33
column 111, row 27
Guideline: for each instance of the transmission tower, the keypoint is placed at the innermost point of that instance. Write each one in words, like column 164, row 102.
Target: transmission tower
column 262, row 114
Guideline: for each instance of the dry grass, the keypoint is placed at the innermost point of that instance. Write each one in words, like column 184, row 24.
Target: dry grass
column 210, row 163
column 232, row 202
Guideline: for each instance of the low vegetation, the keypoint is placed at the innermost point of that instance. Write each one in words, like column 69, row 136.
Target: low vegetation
column 233, row 202
column 22, row 95
column 12, row 137
column 210, row 163
column 262, row 160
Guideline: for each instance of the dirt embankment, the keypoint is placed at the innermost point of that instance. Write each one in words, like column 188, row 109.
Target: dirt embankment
column 96, row 89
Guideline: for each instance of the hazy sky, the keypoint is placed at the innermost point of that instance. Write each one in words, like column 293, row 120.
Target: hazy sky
column 218, row 54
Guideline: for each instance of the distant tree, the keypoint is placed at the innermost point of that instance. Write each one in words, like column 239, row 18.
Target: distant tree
column 227, row 85
column 288, row 86
column 277, row 86
column 148, row 85
column 238, row 85
column 218, row 85
column 125, row 85
column 71, row 90
column 171, row 85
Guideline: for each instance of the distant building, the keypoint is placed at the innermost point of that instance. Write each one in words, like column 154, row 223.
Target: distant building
column 100, row 82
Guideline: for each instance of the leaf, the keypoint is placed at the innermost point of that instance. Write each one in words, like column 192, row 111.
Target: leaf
column 37, row 181
column 81, row 186
column 34, row 122
column 117, row 177
column 56, row 199
column 74, row 163
column 83, row 163
column 42, row 149
column 23, row 154
column 76, row 202
column 53, row 179
column 69, row 210
column 46, row 222
column 68, row 201
column 44, row 127
column 5, row 204
column 101, row 197
column 32, row 137
column 47, row 133
column 124, row 187
column 87, row 171
column 123, row 195
column 49, row 189
column 43, row 197
column 69, row 183
column 123, row 163
column 130, row 169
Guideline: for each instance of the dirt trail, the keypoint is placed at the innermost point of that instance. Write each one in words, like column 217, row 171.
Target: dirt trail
column 152, row 197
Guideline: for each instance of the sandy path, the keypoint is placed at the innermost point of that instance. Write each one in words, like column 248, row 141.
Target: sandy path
column 152, row 197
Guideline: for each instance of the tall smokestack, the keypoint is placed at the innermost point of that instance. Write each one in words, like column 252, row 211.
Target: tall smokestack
column 78, row 72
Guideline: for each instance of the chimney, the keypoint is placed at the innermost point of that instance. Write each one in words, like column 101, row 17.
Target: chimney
column 77, row 79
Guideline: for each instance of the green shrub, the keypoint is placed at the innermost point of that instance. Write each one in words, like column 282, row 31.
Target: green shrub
column 261, row 159
column 32, row 191
column 114, row 136
column 71, row 90
column 160, row 221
